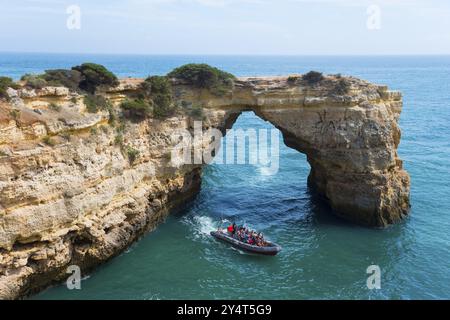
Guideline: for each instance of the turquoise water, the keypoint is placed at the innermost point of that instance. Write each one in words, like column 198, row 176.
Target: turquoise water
column 323, row 257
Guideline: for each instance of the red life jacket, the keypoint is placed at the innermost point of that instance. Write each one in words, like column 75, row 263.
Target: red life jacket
column 230, row 228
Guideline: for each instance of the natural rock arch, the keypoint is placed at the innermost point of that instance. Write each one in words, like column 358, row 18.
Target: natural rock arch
column 70, row 195
column 350, row 140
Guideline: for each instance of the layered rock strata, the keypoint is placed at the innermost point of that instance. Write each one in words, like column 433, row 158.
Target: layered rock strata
column 70, row 195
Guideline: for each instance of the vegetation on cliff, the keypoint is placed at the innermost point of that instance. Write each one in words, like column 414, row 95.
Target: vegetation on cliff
column 159, row 90
column 95, row 75
column 204, row 76
column 34, row 81
column 155, row 97
column 154, row 100
column 94, row 103
column 66, row 78
column 341, row 87
column 196, row 112
column 337, row 84
column 313, row 77
column 136, row 109
column 132, row 154
column 293, row 79
column 86, row 77
column 57, row 78
column 5, row 83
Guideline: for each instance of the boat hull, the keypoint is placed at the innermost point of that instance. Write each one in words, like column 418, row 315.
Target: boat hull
column 270, row 250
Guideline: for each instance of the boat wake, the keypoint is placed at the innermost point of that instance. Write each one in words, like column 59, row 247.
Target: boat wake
column 201, row 226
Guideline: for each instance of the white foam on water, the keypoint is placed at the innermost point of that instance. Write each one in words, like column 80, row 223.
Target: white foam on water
column 201, row 226
column 204, row 224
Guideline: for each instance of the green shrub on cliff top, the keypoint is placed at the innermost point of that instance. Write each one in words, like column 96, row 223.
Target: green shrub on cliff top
column 87, row 77
column 62, row 77
column 95, row 75
column 159, row 90
column 313, row 77
column 157, row 85
column 5, row 83
column 204, row 76
column 292, row 79
column 55, row 78
column 34, row 81
column 342, row 87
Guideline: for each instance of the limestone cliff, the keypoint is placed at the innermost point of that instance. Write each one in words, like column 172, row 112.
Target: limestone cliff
column 70, row 195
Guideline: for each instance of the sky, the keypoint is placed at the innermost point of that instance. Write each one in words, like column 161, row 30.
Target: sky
column 285, row 27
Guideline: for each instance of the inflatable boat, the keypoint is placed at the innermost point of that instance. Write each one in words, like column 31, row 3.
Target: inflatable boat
column 270, row 249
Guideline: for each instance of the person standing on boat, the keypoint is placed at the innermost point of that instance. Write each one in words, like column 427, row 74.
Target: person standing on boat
column 232, row 228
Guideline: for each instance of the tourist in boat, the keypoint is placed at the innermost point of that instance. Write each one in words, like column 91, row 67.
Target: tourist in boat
column 238, row 234
column 247, row 239
column 246, row 235
column 260, row 240
column 251, row 238
column 241, row 234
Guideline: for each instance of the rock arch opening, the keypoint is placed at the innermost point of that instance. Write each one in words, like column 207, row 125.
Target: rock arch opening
column 255, row 192
column 350, row 141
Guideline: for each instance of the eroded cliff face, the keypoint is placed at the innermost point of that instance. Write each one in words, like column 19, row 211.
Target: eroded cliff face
column 351, row 144
column 75, row 197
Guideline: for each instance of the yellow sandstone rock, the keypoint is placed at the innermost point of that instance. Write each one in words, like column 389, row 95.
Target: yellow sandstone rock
column 77, row 199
